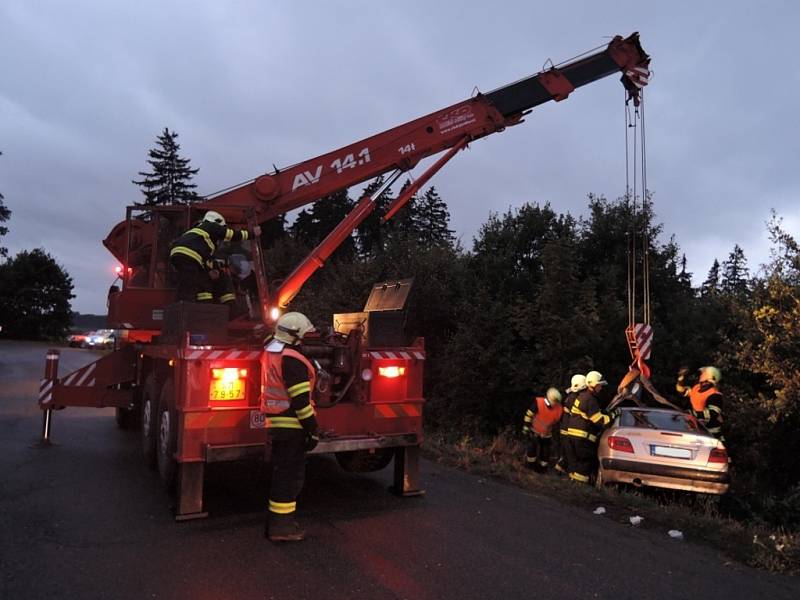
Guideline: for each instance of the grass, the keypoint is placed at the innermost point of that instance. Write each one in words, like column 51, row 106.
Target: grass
column 700, row 517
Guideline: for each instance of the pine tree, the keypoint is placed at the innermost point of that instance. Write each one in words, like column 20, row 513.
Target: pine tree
column 432, row 221
column 5, row 214
column 170, row 180
column 735, row 273
column 710, row 286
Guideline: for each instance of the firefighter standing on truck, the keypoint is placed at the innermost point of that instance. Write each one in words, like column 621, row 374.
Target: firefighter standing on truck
column 287, row 380
column 705, row 398
column 191, row 255
column 538, row 425
column 585, row 425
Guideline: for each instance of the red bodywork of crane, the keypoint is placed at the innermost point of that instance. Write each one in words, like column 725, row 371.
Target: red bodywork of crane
column 198, row 398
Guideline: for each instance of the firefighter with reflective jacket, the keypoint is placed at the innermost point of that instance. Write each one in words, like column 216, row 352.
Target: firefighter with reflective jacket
column 577, row 385
column 287, row 381
column 538, row 425
column 586, row 423
column 705, row 398
column 191, row 256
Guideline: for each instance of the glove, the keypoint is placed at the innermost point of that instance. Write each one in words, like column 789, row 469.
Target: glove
column 311, row 442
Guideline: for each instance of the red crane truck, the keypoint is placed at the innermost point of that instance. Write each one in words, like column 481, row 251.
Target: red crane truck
column 190, row 376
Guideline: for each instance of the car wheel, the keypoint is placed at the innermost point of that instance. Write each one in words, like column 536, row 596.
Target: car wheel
column 150, row 421
column 167, row 436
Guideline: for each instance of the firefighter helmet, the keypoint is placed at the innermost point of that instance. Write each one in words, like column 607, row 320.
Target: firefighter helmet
column 577, row 383
column 594, row 378
column 214, row 217
column 291, row 327
column 553, row 396
column 711, row 374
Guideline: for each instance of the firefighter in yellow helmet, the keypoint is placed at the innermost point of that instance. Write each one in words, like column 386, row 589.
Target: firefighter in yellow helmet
column 577, row 385
column 287, row 383
column 538, row 425
column 191, row 255
column 586, row 423
column 705, row 399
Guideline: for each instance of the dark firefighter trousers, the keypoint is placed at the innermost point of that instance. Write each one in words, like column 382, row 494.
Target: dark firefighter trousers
column 538, row 456
column 582, row 458
column 288, row 456
column 194, row 283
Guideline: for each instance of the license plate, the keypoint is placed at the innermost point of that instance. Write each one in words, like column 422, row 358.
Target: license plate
column 226, row 390
column 670, row 452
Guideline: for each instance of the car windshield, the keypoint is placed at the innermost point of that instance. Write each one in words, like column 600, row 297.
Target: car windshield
column 668, row 421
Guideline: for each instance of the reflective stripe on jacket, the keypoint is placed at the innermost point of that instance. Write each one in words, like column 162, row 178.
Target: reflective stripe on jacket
column 200, row 242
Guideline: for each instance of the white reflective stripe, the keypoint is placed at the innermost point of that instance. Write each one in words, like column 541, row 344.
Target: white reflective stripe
column 52, row 357
column 89, row 371
column 253, row 355
column 405, row 355
column 233, row 354
column 92, row 382
column 215, row 354
column 71, row 377
column 375, row 355
column 195, row 354
column 391, row 355
column 419, row 355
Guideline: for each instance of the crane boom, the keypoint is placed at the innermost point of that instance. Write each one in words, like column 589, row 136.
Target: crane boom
column 402, row 147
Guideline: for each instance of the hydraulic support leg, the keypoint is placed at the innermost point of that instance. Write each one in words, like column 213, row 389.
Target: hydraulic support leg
column 190, row 492
column 46, row 396
column 406, row 472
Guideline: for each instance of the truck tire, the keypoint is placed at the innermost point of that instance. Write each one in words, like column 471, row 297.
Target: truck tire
column 149, row 417
column 167, row 436
column 127, row 418
column 365, row 461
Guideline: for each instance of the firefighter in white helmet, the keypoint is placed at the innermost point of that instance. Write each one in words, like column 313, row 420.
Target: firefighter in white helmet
column 586, row 423
column 191, row 255
column 287, row 382
column 705, row 399
column 577, row 385
column 538, row 425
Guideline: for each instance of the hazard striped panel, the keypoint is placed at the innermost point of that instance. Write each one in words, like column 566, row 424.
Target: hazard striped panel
column 396, row 411
column 215, row 418
column 397, row 354
column 203, row 354
column 45, row 391
column 644, row 339
column 83, row 377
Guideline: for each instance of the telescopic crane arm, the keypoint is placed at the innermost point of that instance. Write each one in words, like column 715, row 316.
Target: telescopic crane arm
column 404, row 146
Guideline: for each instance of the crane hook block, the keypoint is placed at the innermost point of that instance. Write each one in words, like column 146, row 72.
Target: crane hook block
column 558, row 86
column 266, row 187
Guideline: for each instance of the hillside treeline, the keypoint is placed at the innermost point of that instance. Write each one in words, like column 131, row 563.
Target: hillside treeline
column 540, row 295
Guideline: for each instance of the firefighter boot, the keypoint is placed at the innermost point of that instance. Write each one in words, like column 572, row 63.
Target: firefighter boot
column 283, row 528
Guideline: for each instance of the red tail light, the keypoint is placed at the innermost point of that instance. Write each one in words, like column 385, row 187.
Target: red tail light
column 718, row 455
column 621, row 444
column 229, row 374
column 391, row 372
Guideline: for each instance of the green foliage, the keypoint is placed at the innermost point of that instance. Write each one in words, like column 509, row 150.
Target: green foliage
column 169, row 182
column 5, row 215
column 34, row 297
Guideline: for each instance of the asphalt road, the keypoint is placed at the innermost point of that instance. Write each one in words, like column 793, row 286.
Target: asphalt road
column 86, row 519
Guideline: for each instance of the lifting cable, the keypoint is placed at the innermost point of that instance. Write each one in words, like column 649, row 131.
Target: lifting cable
column 635, row 159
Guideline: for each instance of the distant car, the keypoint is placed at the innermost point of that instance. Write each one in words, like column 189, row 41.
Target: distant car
column 102, row 338
column 662, row 448
column 76, row 340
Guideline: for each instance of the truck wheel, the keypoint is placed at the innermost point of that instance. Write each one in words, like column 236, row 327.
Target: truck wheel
column 365, row 461
column 150, row 421
column 127, row 418
column 167, row 436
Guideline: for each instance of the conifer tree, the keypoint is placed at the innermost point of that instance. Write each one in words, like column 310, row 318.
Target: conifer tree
column 5, row 214
column 735, row 273
column 169, row 182
column 710, row 286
